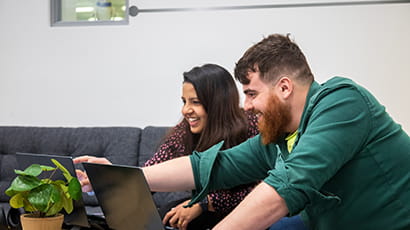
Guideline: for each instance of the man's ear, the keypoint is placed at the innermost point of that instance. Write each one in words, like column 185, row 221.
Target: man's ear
column 285, row 87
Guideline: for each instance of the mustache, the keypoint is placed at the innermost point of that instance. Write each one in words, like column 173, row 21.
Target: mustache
column 255, row 111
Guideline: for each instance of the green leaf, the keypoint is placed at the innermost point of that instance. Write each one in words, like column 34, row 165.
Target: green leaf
column 55, row 194
column 74, row 188
column 19, row 172
column 24, row 183
column 32, row 170
column 67, row 204
column 47, row 168
column 56, row 207
column 63, row 187
column 58, row 182
column 46, row 181
column 28, row 207
column 17, row 201
column 10, row 192
column 66, row 173
column 41, row 196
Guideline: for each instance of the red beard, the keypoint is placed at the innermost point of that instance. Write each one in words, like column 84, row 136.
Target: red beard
column 274, row 120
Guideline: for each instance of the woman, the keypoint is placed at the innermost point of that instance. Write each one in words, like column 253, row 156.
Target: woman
column 211, row 113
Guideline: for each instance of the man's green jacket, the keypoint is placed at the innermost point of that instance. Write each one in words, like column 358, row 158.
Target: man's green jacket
column 349, row 167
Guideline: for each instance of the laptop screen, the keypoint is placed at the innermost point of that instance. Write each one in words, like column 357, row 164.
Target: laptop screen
column 124, row 196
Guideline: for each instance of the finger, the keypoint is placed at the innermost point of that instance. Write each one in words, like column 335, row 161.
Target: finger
column 166, row 217
column 181, row 224
column 81, row 159
column 99, row 160
column 174, row 221
column 80, row 174
column 84, row 182
column 87, row 188
column 184, row 225
column 85, row 185
column 173, row 224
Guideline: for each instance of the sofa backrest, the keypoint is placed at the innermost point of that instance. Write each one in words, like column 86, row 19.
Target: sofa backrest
column 121, row 145
column 151, row 138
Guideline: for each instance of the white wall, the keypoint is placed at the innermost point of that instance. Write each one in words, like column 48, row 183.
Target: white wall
column 131, row 75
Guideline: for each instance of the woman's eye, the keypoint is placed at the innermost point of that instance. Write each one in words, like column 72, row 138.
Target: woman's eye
column 196, row 102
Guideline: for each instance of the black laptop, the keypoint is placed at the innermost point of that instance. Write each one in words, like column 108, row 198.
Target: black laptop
column 124, row 196
column 79, row 215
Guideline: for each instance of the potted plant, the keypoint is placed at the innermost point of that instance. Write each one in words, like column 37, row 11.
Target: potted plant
column 43, row 199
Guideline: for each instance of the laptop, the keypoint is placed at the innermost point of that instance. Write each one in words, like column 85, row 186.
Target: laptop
column 124, row 196
column 79, row 215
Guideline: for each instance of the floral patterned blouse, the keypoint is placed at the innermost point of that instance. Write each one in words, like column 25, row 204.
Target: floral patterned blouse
column 223, row 201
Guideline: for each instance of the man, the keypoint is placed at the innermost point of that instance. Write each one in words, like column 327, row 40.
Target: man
column 348, row 166
column 343, row 162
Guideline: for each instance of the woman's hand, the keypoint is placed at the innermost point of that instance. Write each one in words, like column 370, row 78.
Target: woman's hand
column 179, row 217
column 82, row 176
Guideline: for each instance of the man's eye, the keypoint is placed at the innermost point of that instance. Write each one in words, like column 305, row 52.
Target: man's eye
column 251, row 95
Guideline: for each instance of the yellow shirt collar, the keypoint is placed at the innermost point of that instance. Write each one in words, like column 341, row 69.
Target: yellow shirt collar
column 291, row 138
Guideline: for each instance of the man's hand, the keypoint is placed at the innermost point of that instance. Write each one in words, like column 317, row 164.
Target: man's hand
column 82, row 176
column 91, row 159
column 179, row 217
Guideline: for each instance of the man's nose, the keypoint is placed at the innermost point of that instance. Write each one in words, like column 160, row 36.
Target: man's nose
column 248, row 105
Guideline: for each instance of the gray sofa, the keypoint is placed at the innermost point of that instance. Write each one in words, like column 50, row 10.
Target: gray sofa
column 121, row 145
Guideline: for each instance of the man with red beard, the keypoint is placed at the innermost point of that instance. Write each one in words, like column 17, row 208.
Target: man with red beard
column 329, row 152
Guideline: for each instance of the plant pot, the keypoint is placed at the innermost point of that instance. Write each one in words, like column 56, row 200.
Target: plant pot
column 46, row 223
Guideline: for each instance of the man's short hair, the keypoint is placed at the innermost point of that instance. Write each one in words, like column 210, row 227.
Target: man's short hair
column 274, row 57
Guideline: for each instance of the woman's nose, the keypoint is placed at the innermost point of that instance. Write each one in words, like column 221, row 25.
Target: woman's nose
column 186, row 109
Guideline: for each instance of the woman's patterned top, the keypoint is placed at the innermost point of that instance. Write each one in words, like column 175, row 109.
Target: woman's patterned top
column 223, row 201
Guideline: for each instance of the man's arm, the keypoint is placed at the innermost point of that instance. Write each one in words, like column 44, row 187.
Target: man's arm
column 260, row 209
column 169, row 176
